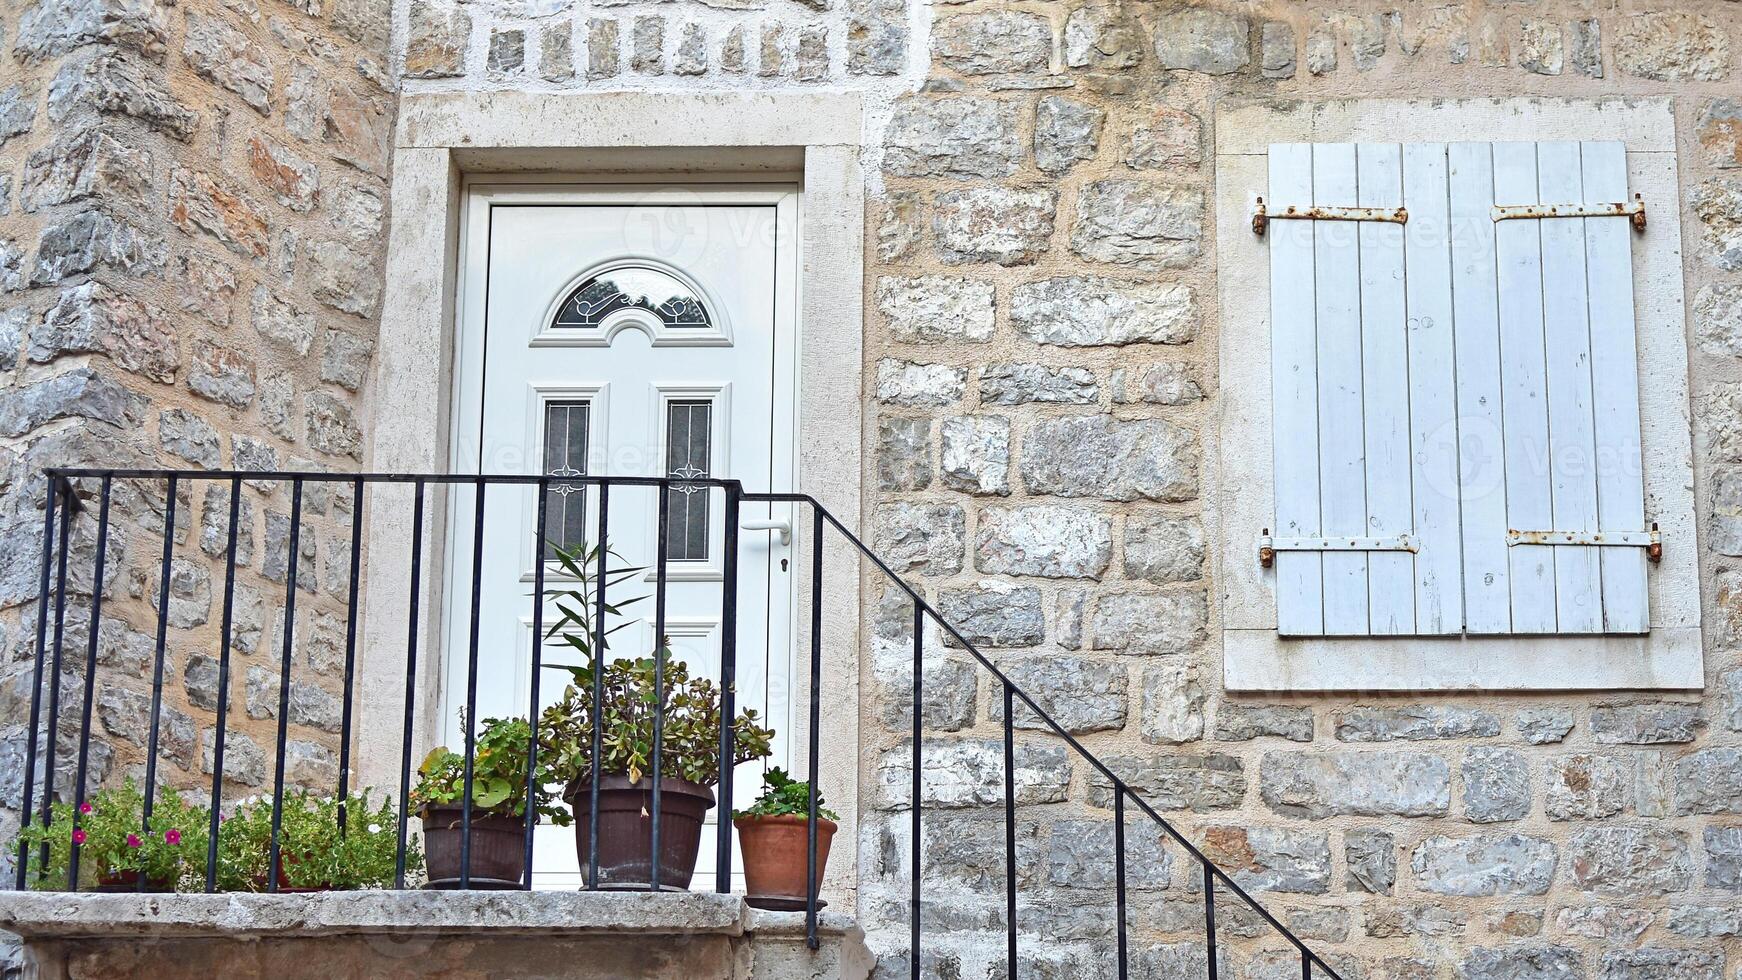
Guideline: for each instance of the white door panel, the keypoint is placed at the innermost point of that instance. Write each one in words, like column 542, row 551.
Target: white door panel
column 634, row 333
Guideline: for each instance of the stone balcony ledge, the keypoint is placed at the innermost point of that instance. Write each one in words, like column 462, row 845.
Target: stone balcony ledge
column 60, row 915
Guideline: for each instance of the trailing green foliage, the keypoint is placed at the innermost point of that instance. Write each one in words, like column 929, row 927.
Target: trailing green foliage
column 784, row 796
column 313, row 851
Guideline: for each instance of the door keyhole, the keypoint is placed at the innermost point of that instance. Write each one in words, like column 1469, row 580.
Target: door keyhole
column 783, row 564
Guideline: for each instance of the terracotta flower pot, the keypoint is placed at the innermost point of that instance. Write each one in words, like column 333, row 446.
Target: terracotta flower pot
column 775, row 858
column 626, row 829
column 128, row 881
column 498, row 858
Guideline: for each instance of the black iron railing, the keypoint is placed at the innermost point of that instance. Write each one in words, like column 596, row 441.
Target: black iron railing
column 68, row 490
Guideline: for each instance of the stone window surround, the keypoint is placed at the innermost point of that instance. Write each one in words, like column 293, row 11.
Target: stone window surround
column 1239, row 487
column 446, row 140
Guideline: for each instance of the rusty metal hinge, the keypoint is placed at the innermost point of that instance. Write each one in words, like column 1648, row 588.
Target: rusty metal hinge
column 1261, row 217
column 1633, row 210
column 1650, row 540
column 1268, row 545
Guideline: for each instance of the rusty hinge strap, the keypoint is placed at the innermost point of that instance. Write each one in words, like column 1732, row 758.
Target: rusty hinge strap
column 1634, row 210
column 1269, row 545
column 1261, row 216
column 1650, row 540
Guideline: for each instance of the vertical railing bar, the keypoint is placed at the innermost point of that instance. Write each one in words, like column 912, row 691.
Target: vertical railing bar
column 410, row 677
column 918, row 720
column 350, row 649
column 223, row 686
column 815, row 727
column 273, row 872
column 1009, row 831
column 60, row 619
column 659, row 673
column 1119, row 875
column 598, row 686
column 1306, row 965
column 537, row 668
column 153, row 734
column 470, row 720
column 728, row 684
column 36, row 682
column 1210, row 917
column 90, row 678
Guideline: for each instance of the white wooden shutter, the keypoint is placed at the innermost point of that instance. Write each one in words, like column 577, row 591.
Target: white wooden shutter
column 1450, row 381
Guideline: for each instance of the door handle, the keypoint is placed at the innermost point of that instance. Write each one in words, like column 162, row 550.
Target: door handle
column 784, row 527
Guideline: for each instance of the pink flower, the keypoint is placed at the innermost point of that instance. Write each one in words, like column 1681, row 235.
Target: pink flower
column 78, row 837
column 172, row 836
column 85, row 808
column 134, row 841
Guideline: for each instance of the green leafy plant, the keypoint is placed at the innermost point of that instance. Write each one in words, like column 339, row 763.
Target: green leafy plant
column 314, row 852
column 114, row 840
column 629, row 692
column 498, row 775
column 784, row 796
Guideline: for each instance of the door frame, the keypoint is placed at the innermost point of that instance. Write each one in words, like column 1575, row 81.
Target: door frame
column 481, row 196
column 442, row 139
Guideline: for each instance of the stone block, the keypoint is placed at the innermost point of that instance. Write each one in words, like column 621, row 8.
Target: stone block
column 200, row 205
column 1587, row 787
column 1513, row 864
column 1079, row 855
column 1708, row 781
column 1544, row 726
column 1671, row 46
column 1268, row 859
column 1204, row 40
column 1630, row 861
column 79, row 393
column 957, row 773
column 439, row 35
column 927, row 538
column 1103, row 458
column 1719, row 132
column 1316, row 785
column 112, row 83
column 1138, row 223
column 1008, row 226
column 904, row 453
column 1173, row 705
column 1370, row 857
column 953, row 136
column 1043, row 540
column 1414, row 723
column 1066, row 133
column 1646, row 723
column 220, row 53
column 1080, row 695
column 1103, row 36
column 1163, row 549
column 907, row 383
column 994, row 42
column 1662, row 964
column 86, row 163
column 1199, row 782
column 94, row 319
column 1027, row 383
column 994, row 614
column 1091, row 311
column 1149, row 624
column 1724, row 861
column 975, row 454
column 936, row 309
column 1496, row 785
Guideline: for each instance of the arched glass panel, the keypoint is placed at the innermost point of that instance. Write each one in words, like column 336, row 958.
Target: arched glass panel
column 639, row 287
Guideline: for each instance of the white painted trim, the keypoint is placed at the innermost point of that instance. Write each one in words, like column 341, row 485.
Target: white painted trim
column 1240, row 486
column 623, row 138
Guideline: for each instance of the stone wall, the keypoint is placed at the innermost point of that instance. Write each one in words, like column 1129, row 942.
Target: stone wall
column 1042, row 363
column 191, row 224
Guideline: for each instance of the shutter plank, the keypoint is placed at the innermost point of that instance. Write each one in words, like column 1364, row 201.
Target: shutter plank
column 1615, row 388
column 1567, row 344
column 1342, row 449
column 1294, row 379
column 1385, row 389
column 1481, row 454
column 1524, row 389
column 1433, row 432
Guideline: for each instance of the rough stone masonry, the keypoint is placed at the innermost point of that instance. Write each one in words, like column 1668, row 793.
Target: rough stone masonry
column 190, row 224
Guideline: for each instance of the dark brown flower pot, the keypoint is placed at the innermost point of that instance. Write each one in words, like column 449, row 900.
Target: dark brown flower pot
column 626, row 829
column 128, row 881
column 498, row 858
column 775, row 858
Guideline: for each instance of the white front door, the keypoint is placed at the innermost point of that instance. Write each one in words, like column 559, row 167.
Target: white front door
column 624, row 332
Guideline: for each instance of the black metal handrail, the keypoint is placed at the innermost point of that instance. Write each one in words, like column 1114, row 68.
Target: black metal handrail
column 62, row 500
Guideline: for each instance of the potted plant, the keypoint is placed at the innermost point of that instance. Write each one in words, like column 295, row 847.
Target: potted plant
column 689, row 765
column 774, row 835
column 499, row 807
column 116, row 846
column 315, row 853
